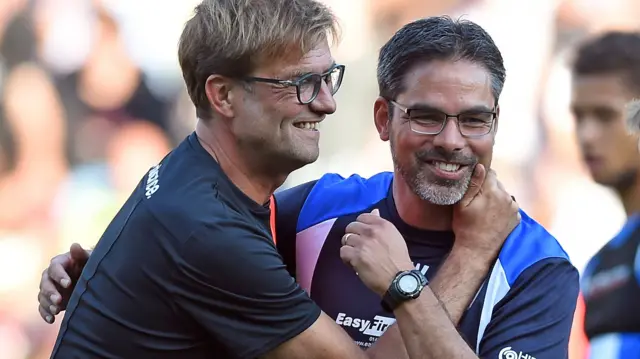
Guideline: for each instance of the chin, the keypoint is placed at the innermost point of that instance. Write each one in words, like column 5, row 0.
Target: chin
column 601, row 179
column 619, row 181
column 297, row 161
column 308, row 155
column 440, row 196
column 309, row 159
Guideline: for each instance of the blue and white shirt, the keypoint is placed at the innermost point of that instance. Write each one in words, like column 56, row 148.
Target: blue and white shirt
column 523, row 310
column 611, row 290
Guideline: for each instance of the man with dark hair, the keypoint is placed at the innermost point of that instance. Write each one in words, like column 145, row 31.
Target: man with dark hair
column 490, row 293
column 606, row 76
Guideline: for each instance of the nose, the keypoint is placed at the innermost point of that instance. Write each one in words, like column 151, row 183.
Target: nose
column 450, row 138
column 324, row 103
column 587, row 131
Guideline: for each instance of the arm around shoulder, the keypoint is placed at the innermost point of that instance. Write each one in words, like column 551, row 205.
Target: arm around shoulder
column 231, row 280
column 322, row 340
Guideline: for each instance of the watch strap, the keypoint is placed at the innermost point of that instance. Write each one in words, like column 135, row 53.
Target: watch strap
column 392, row 298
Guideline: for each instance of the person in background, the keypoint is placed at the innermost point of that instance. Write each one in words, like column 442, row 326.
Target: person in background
column 606, row 76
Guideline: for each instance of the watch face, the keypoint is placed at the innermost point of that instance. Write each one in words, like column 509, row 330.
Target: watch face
column 408, row 284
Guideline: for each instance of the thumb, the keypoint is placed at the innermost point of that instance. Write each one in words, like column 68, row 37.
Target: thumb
column 475, row 185
column 376, row 212
column 78, row 254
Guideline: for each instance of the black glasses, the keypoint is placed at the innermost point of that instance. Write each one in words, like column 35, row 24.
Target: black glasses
column 432, row 122
column 308, row 86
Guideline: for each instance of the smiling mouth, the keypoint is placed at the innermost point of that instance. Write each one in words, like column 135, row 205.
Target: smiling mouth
column 311, row 126
column 447, row 167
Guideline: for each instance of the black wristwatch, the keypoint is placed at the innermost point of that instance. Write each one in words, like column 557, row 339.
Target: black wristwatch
column 405, row 286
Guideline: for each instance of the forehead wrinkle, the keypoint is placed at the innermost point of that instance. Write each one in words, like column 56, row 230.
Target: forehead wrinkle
column 448, row 96
column 317, row 60
column 450, row 86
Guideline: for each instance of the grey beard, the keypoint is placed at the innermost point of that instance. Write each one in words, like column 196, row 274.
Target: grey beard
column 438, row 194
column 441, row 193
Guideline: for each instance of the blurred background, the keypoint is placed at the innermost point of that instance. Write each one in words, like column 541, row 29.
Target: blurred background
column 91, row 96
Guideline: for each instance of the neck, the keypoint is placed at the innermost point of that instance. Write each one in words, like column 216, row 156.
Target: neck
column 631, row 198
column 217, row 139
column 417, row 212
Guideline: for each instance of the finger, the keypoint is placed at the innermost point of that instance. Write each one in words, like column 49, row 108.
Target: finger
column 44, row 300
column 57, row 271
column 49, row 289
column 48, row 305
column 348, row 254
column 51, row 304
column 475, row 185
column 501, row 186
column 345, row 239
column 491, row 183
column 357, row 228
column 491, row 178
column 355, row 240
column 507, row 196
column 515, row 206
column 370, row 218
column 376, row 212
column 78, row 254
column 352, row 240
column 48, row 317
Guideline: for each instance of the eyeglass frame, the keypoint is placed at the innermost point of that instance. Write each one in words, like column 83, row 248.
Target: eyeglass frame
column 407, row 111
column 298, row 82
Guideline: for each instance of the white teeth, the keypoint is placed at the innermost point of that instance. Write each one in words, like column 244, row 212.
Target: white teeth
column 307, row 125
column 449, row 167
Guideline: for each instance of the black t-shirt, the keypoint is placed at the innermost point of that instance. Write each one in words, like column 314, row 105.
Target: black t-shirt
column 186, row 269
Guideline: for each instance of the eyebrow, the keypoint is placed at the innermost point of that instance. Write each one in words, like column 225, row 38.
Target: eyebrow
column 304, row 71
column 430, row 108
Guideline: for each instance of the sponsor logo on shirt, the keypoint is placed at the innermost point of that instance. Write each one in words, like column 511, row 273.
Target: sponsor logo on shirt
column 508, row 353
column 152, row 181
column 374, row 327
column 422, row 268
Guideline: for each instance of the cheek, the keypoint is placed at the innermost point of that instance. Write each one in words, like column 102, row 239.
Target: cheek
column 285, row 112
column 406, row 142
column 629, row 147
column 483, row 149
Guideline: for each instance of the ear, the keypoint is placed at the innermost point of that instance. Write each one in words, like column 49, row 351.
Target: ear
column 381, row 117
column 218, row 90
column 495, row 125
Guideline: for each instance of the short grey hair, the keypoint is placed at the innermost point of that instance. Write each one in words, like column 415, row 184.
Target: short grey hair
column 437, row 38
